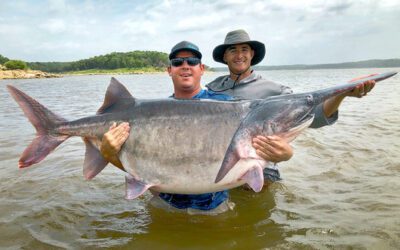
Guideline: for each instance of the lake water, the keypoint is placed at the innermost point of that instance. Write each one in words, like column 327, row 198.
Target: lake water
column 340, row 190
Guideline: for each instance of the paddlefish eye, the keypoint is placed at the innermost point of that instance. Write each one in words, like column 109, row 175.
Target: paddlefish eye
column 310, row 100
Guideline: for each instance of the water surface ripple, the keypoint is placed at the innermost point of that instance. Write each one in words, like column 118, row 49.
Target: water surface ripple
column 340, row 190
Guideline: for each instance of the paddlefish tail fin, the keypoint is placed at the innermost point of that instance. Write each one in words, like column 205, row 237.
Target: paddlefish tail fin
column 45, row 122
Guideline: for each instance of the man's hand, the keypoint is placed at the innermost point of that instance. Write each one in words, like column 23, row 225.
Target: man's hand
column 332, row 104
column 363, row 88
column 112, row 142
column 272, row 148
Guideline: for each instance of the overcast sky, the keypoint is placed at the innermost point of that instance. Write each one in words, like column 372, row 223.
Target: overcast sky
column 294, row 32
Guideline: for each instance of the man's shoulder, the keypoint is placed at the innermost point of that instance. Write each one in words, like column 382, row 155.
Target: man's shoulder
column 219, row 79
column 219, row 96
column 218, row 83
column 209, row 94
column 224, row 83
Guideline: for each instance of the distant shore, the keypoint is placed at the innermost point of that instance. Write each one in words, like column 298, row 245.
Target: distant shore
column 26, row 74
column 375, row 63
column 121, row 71
column 32, row 74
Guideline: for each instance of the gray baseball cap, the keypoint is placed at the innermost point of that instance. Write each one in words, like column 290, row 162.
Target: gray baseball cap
column 239, row 37
column 185, row 45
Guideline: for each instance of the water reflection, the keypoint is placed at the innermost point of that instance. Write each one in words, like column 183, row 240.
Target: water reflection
column 338, row 191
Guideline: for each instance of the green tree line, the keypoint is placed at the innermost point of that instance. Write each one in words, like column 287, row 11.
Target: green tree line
column 12, row 64
column 15, row 64
column 115, row 60
column 3, row 59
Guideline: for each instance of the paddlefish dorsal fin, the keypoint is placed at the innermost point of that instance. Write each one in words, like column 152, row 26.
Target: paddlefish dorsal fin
column 116, row 97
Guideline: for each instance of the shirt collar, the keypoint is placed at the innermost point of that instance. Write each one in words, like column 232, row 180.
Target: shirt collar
column 195, row 96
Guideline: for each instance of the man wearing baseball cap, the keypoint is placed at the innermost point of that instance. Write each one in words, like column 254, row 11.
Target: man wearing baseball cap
column 185, row 70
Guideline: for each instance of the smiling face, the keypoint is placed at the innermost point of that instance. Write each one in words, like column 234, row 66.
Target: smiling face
column 238, row 57
column 186, row 78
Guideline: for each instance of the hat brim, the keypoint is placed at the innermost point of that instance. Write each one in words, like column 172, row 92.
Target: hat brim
column 259, row 51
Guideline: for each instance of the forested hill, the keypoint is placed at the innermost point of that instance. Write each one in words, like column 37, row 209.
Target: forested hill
column 376, row 63
column 155, row 60
column 385, row 63
column 115, row 60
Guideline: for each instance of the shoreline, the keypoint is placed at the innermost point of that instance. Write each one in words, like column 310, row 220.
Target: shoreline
column 34, row 74
column 26, row 74
column 119, row 71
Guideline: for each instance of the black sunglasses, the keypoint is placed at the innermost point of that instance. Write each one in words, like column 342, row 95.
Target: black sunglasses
column 192, row 61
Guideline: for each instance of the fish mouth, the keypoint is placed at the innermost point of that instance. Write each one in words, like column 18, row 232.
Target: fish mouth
column 306, row 118
column 301, row 125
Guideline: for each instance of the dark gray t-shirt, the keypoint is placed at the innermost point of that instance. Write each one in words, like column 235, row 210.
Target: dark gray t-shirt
column 255, row 87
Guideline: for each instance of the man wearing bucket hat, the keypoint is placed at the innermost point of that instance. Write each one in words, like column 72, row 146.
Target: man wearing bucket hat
column 239, row 52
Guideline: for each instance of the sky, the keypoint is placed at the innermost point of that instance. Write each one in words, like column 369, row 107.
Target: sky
column 294, row 32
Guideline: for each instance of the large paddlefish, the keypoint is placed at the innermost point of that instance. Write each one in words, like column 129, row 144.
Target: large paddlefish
column 179, row 146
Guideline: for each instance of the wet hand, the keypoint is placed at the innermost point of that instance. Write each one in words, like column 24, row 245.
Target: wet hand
column 114, row 139
column 272, row 148
column 363, row 88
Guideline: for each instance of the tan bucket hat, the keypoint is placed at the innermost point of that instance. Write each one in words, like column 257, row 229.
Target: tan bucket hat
column 238, row 37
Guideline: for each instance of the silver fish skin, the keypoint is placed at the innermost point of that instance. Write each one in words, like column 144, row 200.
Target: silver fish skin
column 179, row 146
column 169, row 138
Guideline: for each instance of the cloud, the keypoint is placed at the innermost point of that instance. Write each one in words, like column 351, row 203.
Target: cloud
column 53, row 25
column 339, row 7
column 310, row 31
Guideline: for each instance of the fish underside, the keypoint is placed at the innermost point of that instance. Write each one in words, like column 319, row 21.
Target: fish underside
column 178, row 146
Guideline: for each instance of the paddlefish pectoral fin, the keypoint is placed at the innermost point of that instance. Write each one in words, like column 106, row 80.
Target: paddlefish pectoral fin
column 231, row 158
column 45, row 122
column 94, row 161
column 237, row 149
column 134, row 187
column 254, row 178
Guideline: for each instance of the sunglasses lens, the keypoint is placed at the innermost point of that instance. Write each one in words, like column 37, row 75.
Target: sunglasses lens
column 192, row 61
column 176, row 62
